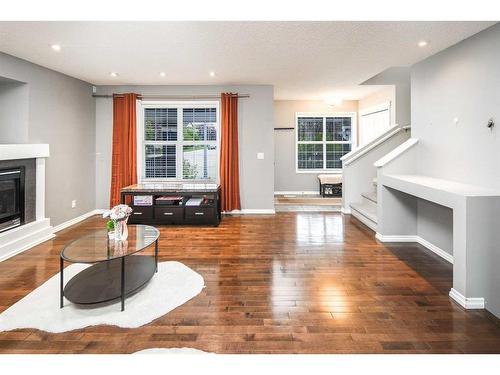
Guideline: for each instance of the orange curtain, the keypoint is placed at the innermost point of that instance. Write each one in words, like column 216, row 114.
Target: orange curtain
column 124, row 156
column 229, row 169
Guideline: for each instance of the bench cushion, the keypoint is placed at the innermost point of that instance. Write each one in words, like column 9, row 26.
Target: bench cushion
column 330, row 178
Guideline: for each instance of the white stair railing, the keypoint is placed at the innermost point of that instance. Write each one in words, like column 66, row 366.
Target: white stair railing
column 360, row 151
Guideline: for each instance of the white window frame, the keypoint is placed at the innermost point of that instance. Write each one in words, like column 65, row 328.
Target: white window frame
column 141, row 143
column 324, row 142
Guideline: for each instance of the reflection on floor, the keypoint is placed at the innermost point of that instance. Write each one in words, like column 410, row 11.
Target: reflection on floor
column 306, row 203
column 302, row 282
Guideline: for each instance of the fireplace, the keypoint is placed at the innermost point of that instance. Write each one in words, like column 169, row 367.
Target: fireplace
column 12, row 196
column 22, row 198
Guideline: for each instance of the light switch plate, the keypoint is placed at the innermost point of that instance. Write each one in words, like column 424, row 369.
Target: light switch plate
column 260, row 155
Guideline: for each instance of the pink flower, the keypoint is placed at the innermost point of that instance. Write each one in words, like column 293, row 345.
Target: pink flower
column 118, row 212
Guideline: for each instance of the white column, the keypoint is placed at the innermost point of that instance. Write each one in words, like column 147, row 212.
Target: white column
column 40, row 188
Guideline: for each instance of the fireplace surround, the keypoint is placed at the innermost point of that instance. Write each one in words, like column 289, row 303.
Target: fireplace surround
column 22, row 198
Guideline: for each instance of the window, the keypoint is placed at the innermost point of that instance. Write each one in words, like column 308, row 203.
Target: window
column 322, row 139
column 178, row 141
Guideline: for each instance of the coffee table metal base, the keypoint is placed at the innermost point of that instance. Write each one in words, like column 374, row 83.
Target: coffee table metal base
column 106, row 281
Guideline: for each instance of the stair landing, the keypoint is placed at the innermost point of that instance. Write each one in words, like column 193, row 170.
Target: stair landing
column 366, row 212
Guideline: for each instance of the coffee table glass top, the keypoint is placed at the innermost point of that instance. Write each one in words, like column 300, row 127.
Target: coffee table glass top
column 96, row 247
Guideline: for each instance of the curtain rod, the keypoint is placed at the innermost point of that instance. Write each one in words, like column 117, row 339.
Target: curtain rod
column 173, row 97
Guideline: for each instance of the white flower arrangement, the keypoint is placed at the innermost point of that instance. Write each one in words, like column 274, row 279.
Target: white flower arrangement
column 118, row 212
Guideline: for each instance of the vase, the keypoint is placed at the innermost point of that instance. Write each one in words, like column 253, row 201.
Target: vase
column 121, row 230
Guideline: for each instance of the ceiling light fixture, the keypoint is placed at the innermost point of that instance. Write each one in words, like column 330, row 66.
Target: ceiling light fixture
column 212, row 74
column 334, row 101
column 422, row 43
column 113, row 74
column 56, row 47
column 162, row 74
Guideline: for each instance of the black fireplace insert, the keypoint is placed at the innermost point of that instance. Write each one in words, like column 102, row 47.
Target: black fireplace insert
column 11, row 198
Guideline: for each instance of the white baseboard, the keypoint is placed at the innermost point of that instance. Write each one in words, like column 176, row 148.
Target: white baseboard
column 310, row 192
column 346, row 211
column 436, row 250
column 251, row 211
column 24, row 237
column 413, row 238
column 467, row 303
column 392, row 238
column 77, row 219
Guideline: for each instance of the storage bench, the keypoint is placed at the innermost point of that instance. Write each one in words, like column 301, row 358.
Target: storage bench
column 330, row 185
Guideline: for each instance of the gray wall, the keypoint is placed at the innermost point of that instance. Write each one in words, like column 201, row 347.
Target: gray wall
column 255, row 117
column 435, row 224
column 61, row 113
column 285, row 176
column 13, row 111
column 400, row 78
column 103, row 147
column 462, row 81
column 483, row 259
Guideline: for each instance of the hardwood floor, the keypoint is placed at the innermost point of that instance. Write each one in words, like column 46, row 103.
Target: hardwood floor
column 284, row 283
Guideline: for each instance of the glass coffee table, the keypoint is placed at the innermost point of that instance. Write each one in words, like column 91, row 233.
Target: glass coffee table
column 118, row 267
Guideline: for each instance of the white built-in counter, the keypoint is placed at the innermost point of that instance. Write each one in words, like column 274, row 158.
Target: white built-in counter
column 475, row 228
column 432, row 188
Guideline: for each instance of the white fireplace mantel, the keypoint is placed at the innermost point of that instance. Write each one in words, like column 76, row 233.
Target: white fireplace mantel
column 23, row 151
column 28, row 235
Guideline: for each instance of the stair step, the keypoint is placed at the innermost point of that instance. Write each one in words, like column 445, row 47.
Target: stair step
column 365, row 212
column 371, row 196
column 368, row 210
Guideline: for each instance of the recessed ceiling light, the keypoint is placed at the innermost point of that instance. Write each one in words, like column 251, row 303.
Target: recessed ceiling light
column 212, row 74
column 162, row 74
column 422, row 43
column 113, row 74
column 56, row 47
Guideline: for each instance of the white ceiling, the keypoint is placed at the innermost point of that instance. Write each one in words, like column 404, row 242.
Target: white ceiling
column 303, row 60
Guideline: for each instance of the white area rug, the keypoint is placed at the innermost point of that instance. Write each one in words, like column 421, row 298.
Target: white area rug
column 171, row 351
column 172, row 286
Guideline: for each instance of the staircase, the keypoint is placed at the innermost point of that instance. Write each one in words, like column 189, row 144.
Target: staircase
column 366, row 210
column 359, row 175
